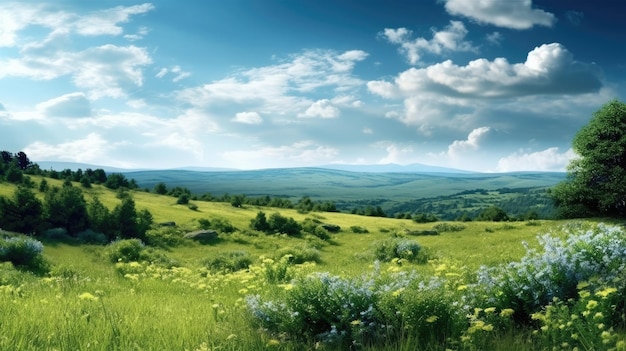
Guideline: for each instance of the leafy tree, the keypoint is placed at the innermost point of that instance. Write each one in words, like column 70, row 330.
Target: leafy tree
column 160, row 188
column 260, row 222
column 66, row 208
column 596, row 180
column 14, row 174
column 125, row 219
column 183, row 199
column 43, row 185
column 22, row 160
column 21, row 214
column 494, row 214
column 100, row 218
column 85, row 182
column 284, row 225
column 116, row 181
column 6, row 157
column 237, row 200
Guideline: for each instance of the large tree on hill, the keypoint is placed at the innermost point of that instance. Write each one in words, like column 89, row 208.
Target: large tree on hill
column 596, row 180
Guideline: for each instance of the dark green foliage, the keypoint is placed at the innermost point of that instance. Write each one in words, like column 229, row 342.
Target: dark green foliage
column 298, row 254
column 183, row 199
column 116, row 181
column 23, row 213
column 128, row 250
column 125, row 220
column 358, row 229
column 596, row 180
column 448, row 227
column 493, row 214
column 14, row 175
column 100, row 218
column 425, row 218
column 260, row 222
column 85, row 182
column 283, row 225
column 160, row 188
column 237, row 200
column 66, row 208
column 92, row 237
column 229, row 262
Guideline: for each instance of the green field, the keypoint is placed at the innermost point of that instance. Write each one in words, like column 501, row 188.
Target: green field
column 172, row 300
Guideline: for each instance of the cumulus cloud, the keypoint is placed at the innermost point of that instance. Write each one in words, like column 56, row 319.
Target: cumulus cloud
column 396, row 154
column 472, row 142
column 548, row 69
column 69, row 105
column 93, row 148
column 546, row 160
column 248, row 118
column 451, row 38
column 516, row 14
column 280, row 88
column 321, row 108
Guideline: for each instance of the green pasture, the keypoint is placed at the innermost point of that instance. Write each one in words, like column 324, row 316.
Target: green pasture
column 87, row 302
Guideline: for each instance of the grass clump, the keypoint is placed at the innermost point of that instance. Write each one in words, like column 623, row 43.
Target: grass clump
column 449, row 227
column 229, row 262
column 398, row 248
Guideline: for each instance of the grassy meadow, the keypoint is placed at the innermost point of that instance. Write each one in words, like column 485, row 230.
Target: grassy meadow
column 173, row 298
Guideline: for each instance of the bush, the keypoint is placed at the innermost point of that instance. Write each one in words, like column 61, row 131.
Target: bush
column 448, row 227
column 369, row 310
column 128, row 250
column 229, row 262
column 91, row 237
column 22, row 252
column 165, row 237
column 299, row 254
column 358, row 230
column 57, row 234
column 595, row 256
column 397, row 248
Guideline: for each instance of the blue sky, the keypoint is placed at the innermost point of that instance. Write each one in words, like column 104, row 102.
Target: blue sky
column 494, row 86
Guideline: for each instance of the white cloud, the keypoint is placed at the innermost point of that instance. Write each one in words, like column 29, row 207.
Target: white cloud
column 514, row 14
column 106, row 22
column 451, row 38
column 176, row 70
column 548, row 69
column 248, row 118
column 547, row 160
column 367, row 130
column 494, row 38
column 69, row 105
column 396, row 154
column 321, row 108
column 92, row 148
column 302, row 153
column 280, row 88
column 141, row 33
column 472, row 143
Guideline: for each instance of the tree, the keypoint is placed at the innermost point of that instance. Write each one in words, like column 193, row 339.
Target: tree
column 22, row 214
column 494, row 214
column 260, row 222
column 66, row 208
column 596, row 180
column 160, row 188
column 100, row 218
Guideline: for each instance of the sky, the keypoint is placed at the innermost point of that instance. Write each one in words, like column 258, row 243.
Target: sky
column 489, row 86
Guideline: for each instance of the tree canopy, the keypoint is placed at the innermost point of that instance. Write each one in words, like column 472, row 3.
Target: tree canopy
column 596, row 180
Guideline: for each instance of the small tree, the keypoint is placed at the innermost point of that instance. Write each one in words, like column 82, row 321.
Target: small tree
column 160, row 188
column 21, row 214
column 596, row 180
column 67, row 208
column 494, row 214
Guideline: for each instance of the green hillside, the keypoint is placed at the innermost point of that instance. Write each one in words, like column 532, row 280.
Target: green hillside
column 420, row 279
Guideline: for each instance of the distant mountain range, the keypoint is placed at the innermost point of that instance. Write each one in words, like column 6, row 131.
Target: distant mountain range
column 374, row 168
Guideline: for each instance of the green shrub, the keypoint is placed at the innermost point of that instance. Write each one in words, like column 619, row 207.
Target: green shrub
column 92, row 237
column 229, row 262
column 22, row 252
column 448, row 227
column 398, row 248
column 127, row 250
column 57, row 234
column 299, row 254
column 165, row 237
column 358, row 229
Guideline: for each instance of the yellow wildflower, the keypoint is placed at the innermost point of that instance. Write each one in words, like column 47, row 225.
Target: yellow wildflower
column 507, row 312
column 432, row 319
column 592, row 304
column 87, row 296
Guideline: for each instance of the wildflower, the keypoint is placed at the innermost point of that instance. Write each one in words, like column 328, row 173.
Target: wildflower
column 432, row 319
column 606, row 292
column 488, row 327
column 598, row 316
column 507, row 312
column 397, row 292
column 273, row 342
column 490, row 310
column 461, row 287
column 592, row 304
column 601, row 326
column 87, row 296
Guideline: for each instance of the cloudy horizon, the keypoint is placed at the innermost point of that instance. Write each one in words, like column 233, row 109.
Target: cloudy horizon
column 499, row 86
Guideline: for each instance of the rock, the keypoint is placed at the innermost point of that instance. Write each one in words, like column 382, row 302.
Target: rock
column 202, row 236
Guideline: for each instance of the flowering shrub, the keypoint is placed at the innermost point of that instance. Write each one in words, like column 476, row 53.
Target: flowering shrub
column 399, row 248
column 21, row 251
column 370, row 309
column 580, row 253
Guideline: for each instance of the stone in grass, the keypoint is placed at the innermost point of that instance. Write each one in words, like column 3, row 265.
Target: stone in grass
column 202, row 236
